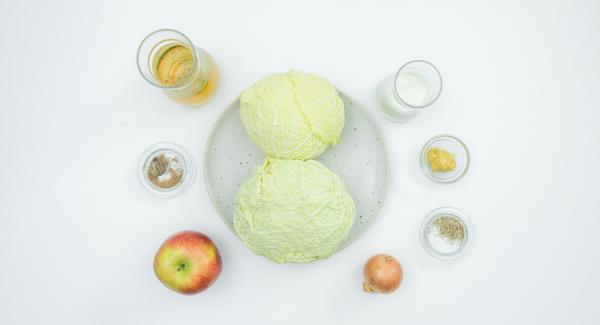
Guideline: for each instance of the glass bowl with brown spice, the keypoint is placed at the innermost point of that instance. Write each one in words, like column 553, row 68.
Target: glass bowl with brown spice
column 445, row 234
column 166, row 169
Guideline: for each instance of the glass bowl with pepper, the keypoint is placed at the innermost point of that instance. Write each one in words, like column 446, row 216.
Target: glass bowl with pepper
column 445, row 234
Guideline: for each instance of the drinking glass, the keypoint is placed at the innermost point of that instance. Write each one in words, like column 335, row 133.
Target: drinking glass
column 168, row 60
column 414, row 87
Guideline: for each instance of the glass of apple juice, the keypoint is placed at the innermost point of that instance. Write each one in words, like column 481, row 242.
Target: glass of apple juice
column 167, row 59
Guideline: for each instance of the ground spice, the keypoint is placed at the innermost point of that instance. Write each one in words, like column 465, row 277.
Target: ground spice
column 164, row 171
column 450, row 228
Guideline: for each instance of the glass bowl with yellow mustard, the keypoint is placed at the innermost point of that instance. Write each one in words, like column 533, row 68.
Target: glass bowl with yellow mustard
column 445, row 159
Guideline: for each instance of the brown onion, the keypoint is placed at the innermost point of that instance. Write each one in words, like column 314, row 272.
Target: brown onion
column 382, row 274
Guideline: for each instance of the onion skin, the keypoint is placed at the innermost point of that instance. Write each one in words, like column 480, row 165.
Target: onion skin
column 382, row 274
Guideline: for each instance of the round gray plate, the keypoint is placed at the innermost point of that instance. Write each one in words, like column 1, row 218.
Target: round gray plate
column 359, row 158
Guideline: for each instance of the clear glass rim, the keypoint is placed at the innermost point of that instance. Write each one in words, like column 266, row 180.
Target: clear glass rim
column 423, row 159
column 397, row 96
column 147, row 61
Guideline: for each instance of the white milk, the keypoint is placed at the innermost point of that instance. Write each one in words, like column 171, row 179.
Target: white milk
column 411, row 87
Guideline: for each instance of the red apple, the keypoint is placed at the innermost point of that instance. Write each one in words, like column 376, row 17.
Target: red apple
column 187, row 262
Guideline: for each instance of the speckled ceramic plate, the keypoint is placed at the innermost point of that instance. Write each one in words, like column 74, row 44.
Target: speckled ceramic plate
column 359, row 158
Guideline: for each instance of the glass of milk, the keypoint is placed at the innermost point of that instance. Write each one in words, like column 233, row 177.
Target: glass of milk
column 415, row 86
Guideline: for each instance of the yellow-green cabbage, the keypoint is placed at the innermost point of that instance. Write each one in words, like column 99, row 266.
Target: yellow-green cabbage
column 292, row 115
column 293, row 211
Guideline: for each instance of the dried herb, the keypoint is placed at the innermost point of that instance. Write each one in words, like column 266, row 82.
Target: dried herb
column 450, row 228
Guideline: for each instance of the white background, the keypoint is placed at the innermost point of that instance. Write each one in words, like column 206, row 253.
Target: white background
column 78, row 233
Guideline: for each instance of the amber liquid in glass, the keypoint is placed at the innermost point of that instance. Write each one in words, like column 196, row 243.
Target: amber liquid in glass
column 193, row 82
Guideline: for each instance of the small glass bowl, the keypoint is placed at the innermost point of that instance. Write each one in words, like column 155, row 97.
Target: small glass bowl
column 439, row 248
column 170, row 150
column 454, row 146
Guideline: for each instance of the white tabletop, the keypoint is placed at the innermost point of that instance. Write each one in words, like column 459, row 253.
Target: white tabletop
column 78, row 232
